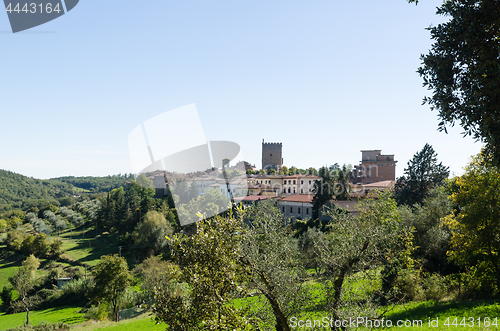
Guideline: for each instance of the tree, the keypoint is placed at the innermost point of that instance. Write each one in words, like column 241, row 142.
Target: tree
column 463, row 70
column 31, row 262
column 24, row 281
column 323, row 191
column 353, row 244
column 200, row 296
column 343, row 184
column 153, row 273
column 272, row 259
column 475, row 224
column 283, row 171
column 112, row 277
column 150, row 233
column 422, row 174
column 431, row 235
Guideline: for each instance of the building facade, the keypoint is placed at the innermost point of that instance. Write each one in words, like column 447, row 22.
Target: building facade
column 374, row 167
column 272, row 155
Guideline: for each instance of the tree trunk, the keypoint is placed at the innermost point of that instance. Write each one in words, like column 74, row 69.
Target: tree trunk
column 281, row 322
column 27, row 316
column 339, row 282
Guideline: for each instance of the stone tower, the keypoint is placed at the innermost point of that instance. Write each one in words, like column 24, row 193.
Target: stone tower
column 272, row 155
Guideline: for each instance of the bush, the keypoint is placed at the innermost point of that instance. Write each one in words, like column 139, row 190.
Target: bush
column 407, row 285
column 97, row 313
column 434, row 287
column 6, row 296
column 43, row 326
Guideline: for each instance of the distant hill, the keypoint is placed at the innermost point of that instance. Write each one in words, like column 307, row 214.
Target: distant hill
column 18, row 191
column 97, row 184
column 21, row 192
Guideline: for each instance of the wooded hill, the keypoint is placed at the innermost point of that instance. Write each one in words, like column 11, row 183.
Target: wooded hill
column 22, row 192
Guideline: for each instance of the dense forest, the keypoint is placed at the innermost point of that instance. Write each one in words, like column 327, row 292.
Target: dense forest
column 97, row 184
column 22, row 192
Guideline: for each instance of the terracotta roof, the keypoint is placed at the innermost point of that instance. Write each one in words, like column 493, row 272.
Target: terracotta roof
column 255, row 198
column 385, row 183
column 299, row 198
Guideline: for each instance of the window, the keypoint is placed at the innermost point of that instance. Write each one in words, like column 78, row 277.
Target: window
column 301, row 190
column 270, row 154
column 307, row 211
column 301, row 182
column 309, row 182
column 294, row 190
column 288, row 190
column 309, row 190
column 299, row 210
column 291, row 209
column 294, row 182
column 283, row 209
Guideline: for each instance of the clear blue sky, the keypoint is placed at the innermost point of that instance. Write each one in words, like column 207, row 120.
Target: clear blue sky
column 325, row 78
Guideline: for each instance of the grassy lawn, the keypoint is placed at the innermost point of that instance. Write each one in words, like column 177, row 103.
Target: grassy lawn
column 143, row 323
column 7, row 268
column 68, row 315
column 451, row 309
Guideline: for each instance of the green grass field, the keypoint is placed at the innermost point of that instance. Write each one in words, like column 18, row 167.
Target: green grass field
column 68, row 315
column 89, row 251
column 143, row 323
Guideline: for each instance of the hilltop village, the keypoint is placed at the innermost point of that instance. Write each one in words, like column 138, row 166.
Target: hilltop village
column 293, row 192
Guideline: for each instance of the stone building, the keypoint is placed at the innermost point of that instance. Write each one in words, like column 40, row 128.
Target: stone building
column 272, row 155
column 374, row 167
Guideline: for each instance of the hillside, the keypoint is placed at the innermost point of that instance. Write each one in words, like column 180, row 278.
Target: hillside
column 21, row 192
column 96, row 184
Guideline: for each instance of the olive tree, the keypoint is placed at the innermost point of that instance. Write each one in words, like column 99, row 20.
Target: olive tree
column 355, row 244
column 272, row 259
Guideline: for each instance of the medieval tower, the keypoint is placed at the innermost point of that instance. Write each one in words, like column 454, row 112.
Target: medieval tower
column 272, row 155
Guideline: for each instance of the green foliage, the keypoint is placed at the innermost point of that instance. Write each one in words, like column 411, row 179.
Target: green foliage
column 323, row 191
column 6, row 296
column 353, row 244
column 198, row 297
column 112, row 277
column 335, row 183
column 475, row 224
column 463, row 70
column 153, row 272
column 98, row 184
column 44, row 326
column 17, row 191
column 272, row 259
column 422, row 174
column 24, row 281
column 431, row 234
column 31, row 262
column 149, row 234
column 97, row 313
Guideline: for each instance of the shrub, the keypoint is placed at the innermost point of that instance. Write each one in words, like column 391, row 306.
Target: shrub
column 434, row 287
column 407, row 285
column 43, row 326
column 97, row 313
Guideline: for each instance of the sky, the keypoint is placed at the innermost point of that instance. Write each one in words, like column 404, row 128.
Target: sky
column 327, row 78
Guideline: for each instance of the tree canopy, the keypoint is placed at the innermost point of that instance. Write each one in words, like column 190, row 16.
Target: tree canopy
column 475, row 223
column 462, row 69
column 422, row 174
